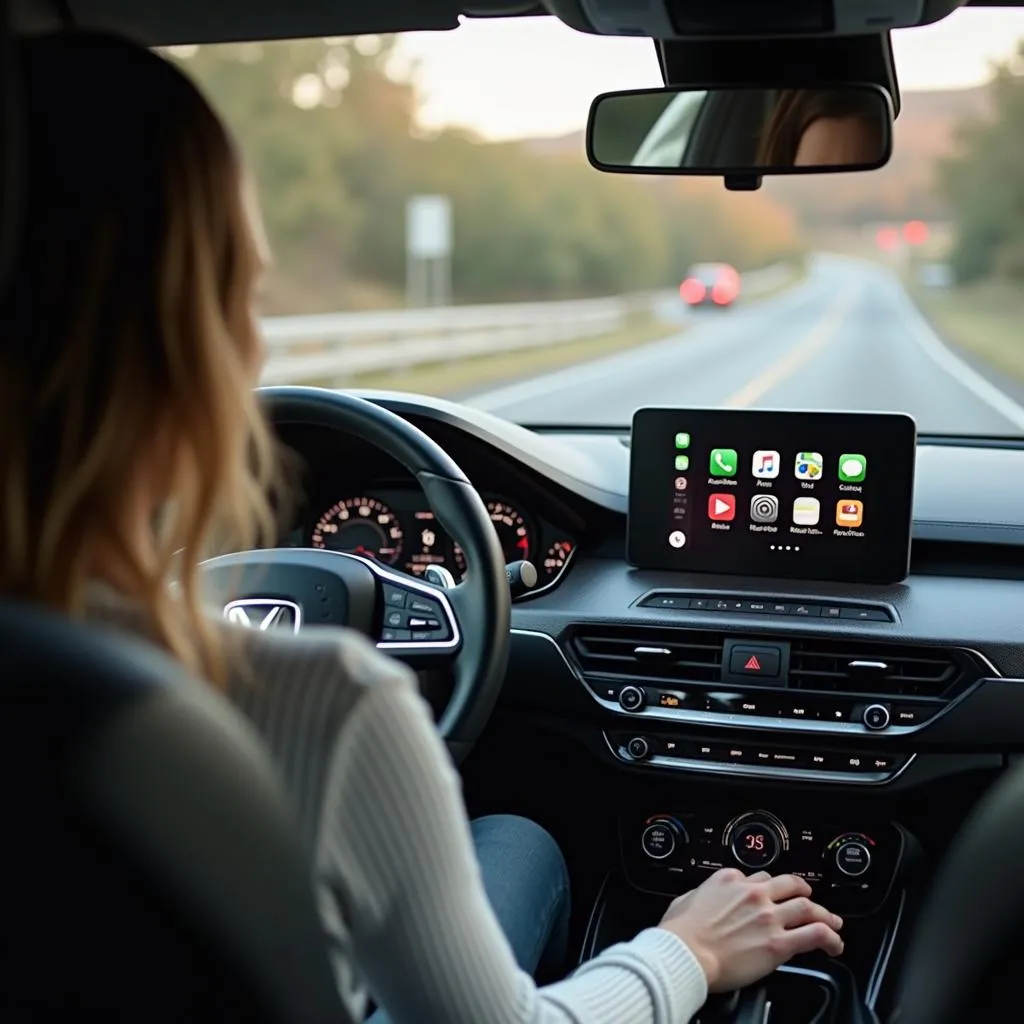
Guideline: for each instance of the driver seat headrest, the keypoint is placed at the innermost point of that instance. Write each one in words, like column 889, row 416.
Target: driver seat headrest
column 152, row 864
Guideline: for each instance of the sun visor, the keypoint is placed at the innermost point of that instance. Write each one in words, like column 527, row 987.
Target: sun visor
column 726, row 19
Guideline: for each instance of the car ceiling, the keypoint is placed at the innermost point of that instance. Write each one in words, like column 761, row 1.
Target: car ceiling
column 201, row 21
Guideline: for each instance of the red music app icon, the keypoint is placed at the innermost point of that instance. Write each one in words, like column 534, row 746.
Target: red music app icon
column 722, row 507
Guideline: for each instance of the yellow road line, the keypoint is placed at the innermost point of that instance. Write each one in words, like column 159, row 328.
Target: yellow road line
column 800, row 354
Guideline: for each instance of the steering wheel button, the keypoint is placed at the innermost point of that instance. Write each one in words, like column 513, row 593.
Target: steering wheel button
column 395, row 635
column 394, row 598
column 422, row 607
column 396, row 620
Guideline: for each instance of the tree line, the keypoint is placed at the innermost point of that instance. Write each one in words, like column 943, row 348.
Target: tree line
column 983, row 183
column 333, row 142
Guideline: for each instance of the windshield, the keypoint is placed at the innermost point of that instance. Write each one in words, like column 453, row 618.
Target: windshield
column 436, row 228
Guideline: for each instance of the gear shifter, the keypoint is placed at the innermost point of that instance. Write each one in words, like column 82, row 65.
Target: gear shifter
column 720, row 1008
column 743, row 1006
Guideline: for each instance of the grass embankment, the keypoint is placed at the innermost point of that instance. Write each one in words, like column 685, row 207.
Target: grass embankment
column 477, row 372
column 986, row 320
column 459, row 377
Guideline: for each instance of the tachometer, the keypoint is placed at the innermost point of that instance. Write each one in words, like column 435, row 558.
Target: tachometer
column 363, row 526
column 512, row 530
column 556, row 558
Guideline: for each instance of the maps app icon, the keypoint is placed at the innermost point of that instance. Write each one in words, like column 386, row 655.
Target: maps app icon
column 808, row 466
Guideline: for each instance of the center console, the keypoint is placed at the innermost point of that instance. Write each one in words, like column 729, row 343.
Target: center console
column 752, row 735
column 850, row 863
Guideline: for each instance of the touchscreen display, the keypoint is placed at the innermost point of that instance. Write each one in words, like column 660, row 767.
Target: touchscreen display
column 806, row 495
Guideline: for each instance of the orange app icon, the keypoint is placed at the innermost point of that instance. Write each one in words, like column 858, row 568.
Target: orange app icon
column 849, row 513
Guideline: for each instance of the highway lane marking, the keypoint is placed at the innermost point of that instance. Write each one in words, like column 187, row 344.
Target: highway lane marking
column 597, row 371
column 933, row 346
column 799, row 355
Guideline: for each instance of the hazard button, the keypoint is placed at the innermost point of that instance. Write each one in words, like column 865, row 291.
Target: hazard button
column 757, row 661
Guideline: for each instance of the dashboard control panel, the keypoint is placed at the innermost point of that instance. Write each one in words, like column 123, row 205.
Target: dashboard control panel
column 849, row 865
column 755, row 680
column 757, row 758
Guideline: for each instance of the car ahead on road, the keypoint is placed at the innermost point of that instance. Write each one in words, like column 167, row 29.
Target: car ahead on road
column 710, row 284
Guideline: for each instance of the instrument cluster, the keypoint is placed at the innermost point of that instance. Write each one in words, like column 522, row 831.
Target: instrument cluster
column 395, row 527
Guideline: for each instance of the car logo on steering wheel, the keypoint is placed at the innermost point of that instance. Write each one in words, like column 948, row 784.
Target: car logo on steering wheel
column 264, row 614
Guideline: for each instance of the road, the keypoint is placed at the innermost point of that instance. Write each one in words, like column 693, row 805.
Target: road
column 847, row 338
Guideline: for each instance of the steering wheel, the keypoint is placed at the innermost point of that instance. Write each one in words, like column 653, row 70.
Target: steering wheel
column 465, row 626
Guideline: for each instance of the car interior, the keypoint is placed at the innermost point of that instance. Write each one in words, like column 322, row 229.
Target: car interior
column 664, row 693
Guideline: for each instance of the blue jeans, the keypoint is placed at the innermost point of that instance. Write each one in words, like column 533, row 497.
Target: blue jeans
column 527, row 883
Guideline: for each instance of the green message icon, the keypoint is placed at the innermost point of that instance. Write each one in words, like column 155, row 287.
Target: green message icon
column 852, row 468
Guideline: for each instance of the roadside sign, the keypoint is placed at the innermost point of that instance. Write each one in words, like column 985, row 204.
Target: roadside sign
column 428, row 227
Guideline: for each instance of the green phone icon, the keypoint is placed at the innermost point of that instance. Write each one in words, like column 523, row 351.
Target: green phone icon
column 724, row 461
column 852, row 468
column 682, row 440
column 682, row 463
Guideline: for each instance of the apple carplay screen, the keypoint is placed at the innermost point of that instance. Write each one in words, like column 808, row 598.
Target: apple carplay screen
column 805, row 495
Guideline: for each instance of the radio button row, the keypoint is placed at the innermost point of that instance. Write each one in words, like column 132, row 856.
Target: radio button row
column 762, row 755
column 677, row 601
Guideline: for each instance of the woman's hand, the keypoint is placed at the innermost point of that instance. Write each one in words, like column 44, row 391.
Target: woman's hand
column 741, row 928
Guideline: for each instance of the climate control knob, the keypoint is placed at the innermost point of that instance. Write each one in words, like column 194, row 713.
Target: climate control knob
column 662, row 837
column 638, row 748
column 876, row 717
column 853, row 858
column 756, row 843
column 631, row 698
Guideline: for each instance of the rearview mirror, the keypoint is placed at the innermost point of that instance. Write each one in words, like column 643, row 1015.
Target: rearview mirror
column 741, row 132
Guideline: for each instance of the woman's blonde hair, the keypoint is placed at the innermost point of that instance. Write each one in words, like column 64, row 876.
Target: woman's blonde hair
column 128, row 349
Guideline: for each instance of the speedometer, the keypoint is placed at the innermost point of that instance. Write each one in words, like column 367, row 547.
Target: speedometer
column 362, row 526
column 513, row 533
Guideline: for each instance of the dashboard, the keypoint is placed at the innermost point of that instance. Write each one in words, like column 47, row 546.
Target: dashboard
column 853, row 683
column 797, row 724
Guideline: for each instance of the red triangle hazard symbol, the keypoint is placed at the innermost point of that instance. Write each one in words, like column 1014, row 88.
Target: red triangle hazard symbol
column 753, row 665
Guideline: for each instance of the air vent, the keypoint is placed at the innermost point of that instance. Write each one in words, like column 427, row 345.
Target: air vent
column 639, row 654
column 880, row 670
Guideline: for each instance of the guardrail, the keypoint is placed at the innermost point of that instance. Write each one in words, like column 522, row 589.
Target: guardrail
column 334, row 347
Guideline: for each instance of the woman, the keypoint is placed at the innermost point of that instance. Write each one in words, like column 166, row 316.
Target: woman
column 130, row 435
column 823, row 128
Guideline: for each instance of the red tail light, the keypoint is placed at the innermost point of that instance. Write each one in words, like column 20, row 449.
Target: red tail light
column 692, row 291
column 724, row 292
